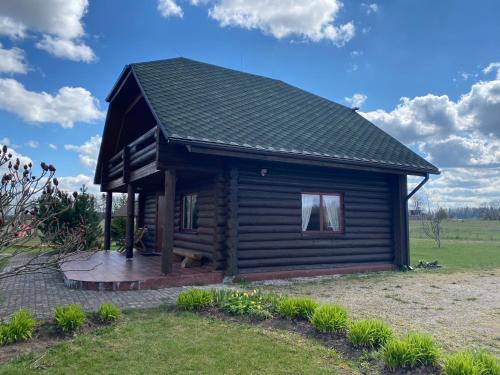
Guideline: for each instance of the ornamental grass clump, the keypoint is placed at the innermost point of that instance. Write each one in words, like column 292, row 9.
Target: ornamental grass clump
column 329, row 318
column 19, row 328
column 471, row 363
column 415, row 350
column 369, row 333
column 297, row 307
column 108, row 313
column 69, row 318
column 195, row 299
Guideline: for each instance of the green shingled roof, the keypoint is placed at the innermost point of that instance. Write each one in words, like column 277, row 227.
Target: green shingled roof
column 200, row 102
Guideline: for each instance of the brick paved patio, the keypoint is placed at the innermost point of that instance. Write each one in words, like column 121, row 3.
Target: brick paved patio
column 42, row 292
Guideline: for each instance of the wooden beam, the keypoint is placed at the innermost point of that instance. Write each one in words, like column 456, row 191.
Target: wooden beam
column 107, row 221
column 129, row 239
column 232, row 223
column 126, row 162
column 167, row 254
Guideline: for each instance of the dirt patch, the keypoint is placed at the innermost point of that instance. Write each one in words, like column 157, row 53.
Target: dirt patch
column 461, row 310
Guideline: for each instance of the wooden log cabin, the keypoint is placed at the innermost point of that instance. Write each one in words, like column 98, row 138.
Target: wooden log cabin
column 253, row 176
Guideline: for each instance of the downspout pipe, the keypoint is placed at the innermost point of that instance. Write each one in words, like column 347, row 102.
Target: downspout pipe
column 407, row 229
column 417, row 188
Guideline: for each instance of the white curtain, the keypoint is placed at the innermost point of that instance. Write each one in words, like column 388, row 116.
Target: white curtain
column 331, row 204
column 307, row 205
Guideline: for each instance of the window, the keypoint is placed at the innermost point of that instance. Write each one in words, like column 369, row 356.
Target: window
column 189, row 212
column 322, row 212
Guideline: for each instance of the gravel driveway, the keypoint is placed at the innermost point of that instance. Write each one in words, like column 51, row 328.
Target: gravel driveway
column 461, row 310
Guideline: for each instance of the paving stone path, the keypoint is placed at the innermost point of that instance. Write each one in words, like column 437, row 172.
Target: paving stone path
column 42, row 292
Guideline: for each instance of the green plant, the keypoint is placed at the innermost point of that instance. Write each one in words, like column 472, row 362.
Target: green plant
column 74, row 212
column 19, row 328
column 369, row 333
column 414, row 350
column 108, row 313
column 329, row 318
column 253, row 303
column 297, row 307
column 195, row 299
column 69, row 318
column 471, row 363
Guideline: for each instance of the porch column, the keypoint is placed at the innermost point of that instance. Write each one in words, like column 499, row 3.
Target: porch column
column 129, row 239
column 167, row 254
column 107, row 220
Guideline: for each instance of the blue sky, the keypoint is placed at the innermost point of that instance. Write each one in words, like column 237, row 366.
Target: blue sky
column 439, row 55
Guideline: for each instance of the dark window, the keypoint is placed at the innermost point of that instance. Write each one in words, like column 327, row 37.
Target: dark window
column 189, row 212
column 322, row 212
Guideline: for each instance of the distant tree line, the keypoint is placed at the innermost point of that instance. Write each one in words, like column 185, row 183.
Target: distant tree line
column 487, row 211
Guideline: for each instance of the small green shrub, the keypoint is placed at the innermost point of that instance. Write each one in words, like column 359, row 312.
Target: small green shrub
column 297, row 307
column 195, row 299
column 369, row 333
column 271, row 302
column 254, row 303
column 220, row 296
column 19, row 328
column 414, row 350
column 329, row 318
column 69, row 318
column 108, row 313
column 471, row 363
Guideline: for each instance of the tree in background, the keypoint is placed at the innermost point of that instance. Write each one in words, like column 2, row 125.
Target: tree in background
column 77, row 210
column 431, row 218
column 119, row 223
column 22, row 192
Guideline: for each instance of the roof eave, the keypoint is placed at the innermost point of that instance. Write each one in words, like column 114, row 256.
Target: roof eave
column 211, row 147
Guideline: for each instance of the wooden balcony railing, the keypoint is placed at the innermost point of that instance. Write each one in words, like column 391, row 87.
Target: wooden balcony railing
column 135, row 155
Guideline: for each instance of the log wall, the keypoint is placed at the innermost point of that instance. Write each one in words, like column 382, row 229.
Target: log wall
column 149, row 219
column 210, row 235
column 270, row 236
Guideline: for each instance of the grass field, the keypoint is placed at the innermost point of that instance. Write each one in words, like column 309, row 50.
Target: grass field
column 466, row 245
column 483, row 230
column 161, row 342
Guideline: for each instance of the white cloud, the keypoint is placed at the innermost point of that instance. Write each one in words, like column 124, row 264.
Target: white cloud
column 66, row 48
column 5, row 141
column 11, row 28
column 356, row 53
column 15, row 155
column 67, row 106
column 12, row 60
column 75, row 183
column 32, row 144
column 52, row 146
column 311, row 19
column 357, row 100
column 462, row 137
column 370, row 8
column 88, row 151
column 58, row 21
column 493, row 67
column 169, row 8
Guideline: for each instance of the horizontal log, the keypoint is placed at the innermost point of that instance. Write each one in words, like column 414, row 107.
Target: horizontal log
column 297, row 253
column 271, row 203
column 248, row 263
column 260, row 220
column 269, row 228
column 250, row 184
column 194, row 237
column 267, row 211
column 299, row 235
column 312, row 266
column 367, row 222
column 313, row 243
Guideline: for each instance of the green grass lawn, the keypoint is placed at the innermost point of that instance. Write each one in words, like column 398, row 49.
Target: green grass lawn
column 484, row 230
column 466, row 245
column 161, row 342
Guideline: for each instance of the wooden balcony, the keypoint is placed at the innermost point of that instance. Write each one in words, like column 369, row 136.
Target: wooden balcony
column 136, row 160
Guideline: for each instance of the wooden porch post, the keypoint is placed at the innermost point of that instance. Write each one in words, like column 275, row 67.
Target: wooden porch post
column 129, row 242
column 167, row 254
column 107, row 221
